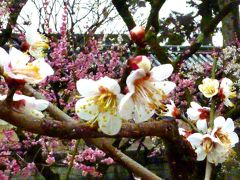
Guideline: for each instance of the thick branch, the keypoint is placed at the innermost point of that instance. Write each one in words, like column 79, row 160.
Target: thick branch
column 123, row 11
column 153, row 19
column 76, row 130
column 16, row 7
column 206, row 32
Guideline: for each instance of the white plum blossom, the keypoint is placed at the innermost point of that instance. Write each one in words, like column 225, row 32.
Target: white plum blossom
column 28, row 105
column 226, row 92
column 209, row 87
column 38, row 43
column 223, row 130
column 99, row 103
column 146, row 90
column 16, row 65
column 206, row 145
column 199, row 114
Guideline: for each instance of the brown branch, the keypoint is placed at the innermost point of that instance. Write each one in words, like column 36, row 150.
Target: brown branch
column 206, row 32
column 16, row 7
column 123, row 11
column 77, row 130
column 153, row 19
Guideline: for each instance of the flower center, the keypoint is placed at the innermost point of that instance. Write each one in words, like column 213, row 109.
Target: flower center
column 207, row 144
column 30, row 70
column 204, row 113
column 106, row 101
column 210, row 89
column 223, row 137
column 147, row 92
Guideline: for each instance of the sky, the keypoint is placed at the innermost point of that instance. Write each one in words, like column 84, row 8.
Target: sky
column 118, row 25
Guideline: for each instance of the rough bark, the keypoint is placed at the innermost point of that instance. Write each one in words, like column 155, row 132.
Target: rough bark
column 230, row 23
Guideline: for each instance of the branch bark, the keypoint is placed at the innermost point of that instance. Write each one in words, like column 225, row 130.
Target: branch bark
column 205, row 33
column 16, row 7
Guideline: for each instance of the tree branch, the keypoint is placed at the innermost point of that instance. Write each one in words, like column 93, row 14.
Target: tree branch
column 206, row 32
column 153, row 19
column 15, row 7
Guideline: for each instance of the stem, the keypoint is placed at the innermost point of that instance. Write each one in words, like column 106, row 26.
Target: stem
column 184, row 119
column 208, row 171
column 10, row 94
column 212, row 111
column 72, row 159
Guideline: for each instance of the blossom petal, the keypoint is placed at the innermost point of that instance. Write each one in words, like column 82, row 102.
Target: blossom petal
column 126, row 107
column 219, row 122
column 195, row 139
column 142, row 113
column 111, row 84
column 202, row 125
column 165, row 86
column 45, row 68
column 87, row 87
column 137, row 74
column 228, row 126
column 161, row 72
column 201, row 154
column 234, row 138
column 193, row 114
column 18, row 58
column 109, row 123
column 4, row 57
column 195, row 105
column 86, row 109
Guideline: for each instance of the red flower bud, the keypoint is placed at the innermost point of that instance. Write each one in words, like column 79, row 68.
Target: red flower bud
column 137, row 35
column 140, row 62
column 25, row 46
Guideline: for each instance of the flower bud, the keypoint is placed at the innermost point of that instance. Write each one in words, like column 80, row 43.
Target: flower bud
column 140, row 62
column 137, row 35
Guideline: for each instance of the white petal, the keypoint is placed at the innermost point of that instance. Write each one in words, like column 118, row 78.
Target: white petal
column 41, row 104
column 3, row 97
column 4, row 57
column 109, row 124
column 195, row 139
column 137, row 74
column 195, row 106
column 201, row 155
column 161, row 72
column 18, row 58
column 234, row 138
column 86, row 109
column 35, row 113
column 45, row 68
column 219, row 122
column 228, row 126
column 193, row 114
column 202, row 125
column 165, row 86
column 142, row 113
column 111, row 84
column 87, row 87
column 126, row 107
column 227, row 102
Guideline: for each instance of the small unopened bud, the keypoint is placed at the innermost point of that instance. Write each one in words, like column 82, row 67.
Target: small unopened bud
column 137, row 35
column 140, row 62
column 25, row 46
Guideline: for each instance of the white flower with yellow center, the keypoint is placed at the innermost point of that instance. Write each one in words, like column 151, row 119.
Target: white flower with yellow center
column 16, row 65
column 209, row 87
column 226, row 92
column 146, row 90
column 208, row 146
column 28, row 105
column 38, row 43
column 99, row 103
column 224, row 131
